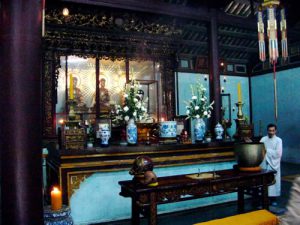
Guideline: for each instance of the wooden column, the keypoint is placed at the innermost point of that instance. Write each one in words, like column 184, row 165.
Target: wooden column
column 20, row 100
column 214, row 72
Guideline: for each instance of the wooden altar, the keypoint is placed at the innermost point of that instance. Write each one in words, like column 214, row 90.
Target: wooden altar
column 180, row 188
column 69, row 168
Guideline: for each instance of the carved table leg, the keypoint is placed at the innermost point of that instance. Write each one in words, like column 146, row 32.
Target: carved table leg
column 153, row 210
column 135, row 213
column 241, row 200
column 265, row 197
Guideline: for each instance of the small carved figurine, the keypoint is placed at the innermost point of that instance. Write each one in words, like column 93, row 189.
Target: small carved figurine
column 142, row 169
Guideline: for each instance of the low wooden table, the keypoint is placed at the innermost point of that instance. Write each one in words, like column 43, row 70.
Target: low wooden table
column 180, row 188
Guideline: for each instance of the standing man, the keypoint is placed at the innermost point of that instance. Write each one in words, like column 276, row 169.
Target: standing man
column 273, row 146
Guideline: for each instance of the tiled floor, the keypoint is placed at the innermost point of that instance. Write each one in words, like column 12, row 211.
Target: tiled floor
column 218, row 211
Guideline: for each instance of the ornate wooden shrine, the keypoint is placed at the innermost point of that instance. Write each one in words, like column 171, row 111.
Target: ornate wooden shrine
column 70, row 167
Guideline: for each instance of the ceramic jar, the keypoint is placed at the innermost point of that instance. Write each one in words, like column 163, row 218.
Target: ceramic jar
column 199, row 129
column 104, row 135
column 168, row 129
column 219, row 131
column 131, row 132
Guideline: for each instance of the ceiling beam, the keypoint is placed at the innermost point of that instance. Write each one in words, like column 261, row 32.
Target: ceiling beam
column 157, row 7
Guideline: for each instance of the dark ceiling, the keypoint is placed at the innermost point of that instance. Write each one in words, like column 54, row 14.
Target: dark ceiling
column 237, row 32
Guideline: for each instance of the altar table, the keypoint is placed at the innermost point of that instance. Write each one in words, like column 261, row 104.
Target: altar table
column 182, row 187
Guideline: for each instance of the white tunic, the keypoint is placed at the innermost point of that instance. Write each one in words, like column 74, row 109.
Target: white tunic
column 292, row 215
column 272, row 161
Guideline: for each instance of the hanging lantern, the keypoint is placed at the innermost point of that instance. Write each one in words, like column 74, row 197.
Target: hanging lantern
column 270, row 6
column 284, row 45
column 261, row 36
column 272, row 34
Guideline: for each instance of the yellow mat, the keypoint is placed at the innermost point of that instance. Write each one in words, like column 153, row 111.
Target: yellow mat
column 259, row 217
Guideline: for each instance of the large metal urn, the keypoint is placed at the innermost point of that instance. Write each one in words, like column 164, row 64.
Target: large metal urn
column 249, row 155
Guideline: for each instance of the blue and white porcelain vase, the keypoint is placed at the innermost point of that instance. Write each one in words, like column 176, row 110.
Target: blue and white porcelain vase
column 104, row 135
column 199, row 129
column 168, row 129
column 219, row 131
column 131, row 132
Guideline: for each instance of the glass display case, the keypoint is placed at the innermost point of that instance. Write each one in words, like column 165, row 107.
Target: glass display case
column 97, row 86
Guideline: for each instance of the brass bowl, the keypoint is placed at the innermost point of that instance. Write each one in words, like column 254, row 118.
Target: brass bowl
column 249, row 154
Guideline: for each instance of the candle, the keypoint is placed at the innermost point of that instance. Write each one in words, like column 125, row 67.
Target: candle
column 61, row 121
column 56, row 200
column 239, row 92
column 71, row 90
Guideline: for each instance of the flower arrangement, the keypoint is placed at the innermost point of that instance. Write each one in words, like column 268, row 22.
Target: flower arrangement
column 134, row 106
column 198, row 106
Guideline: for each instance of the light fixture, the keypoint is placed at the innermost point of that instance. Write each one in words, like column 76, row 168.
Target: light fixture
column 65, row 11
column 270, row 6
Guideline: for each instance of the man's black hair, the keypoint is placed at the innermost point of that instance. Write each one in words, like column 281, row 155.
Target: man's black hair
column 271, row 125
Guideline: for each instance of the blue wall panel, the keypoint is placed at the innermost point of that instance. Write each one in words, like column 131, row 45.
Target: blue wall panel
column 184, row 80
column 98, row 200
column 288, row 84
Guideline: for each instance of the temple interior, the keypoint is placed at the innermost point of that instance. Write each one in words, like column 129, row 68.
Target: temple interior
column 170, row 112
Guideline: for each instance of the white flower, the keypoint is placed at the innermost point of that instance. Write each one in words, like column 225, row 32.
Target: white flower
column 125, row 95
column 205, row 113
column 143, row 108
column 194, row 97
column 135, row 100
column 204, row 89
column 126, row 118
column 126, row 108
column 196, row 107
column 117, row 111
column 203, row 99
column 134, row 113
column 187, row 111
column 208, row 116
column 138, row 105
column 197, row 116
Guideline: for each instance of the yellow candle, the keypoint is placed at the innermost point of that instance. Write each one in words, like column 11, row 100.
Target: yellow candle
column 239, row 92
column 56, row 200
column 71, row 90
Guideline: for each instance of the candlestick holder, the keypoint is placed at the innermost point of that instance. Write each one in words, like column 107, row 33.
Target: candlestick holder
column 240, row 114
column 71, row 114
column 243, row 129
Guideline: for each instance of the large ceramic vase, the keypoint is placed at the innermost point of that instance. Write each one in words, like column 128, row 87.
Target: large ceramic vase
column 131, row 132
column 199, row 130
column 104, row 135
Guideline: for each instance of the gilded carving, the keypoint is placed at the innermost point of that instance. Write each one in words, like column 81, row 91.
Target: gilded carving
column 107, row 21
column 47, row 95
column 75, row 181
